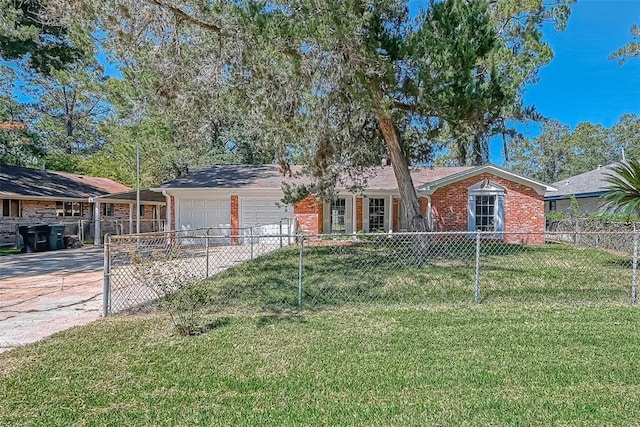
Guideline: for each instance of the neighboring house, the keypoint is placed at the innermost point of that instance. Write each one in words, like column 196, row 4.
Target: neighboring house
column 33, row 196
column 234, row 197
column 587, row 188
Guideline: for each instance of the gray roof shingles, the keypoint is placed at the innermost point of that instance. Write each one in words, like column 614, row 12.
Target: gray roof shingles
column 27, row 182
column 588, row 183
column 271, row 177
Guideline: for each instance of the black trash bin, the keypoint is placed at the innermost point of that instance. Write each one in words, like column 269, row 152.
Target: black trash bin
column 56, row 237
column 36, row 237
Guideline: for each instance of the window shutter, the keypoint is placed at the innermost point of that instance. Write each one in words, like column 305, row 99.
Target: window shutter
column 348, row 215
column 500, row 216
column 386, row 208
column 471, row 215
column 326, row 217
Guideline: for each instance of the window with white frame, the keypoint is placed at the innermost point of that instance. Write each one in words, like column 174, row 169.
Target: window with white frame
column 486, row 208
column 11, row 208
column 338, row 212
column 376, row 214
column 485, row 213
column 108, row 209
column 68, row 209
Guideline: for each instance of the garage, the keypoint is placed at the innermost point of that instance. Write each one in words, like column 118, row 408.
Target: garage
column 262, row 211
column 203, row 213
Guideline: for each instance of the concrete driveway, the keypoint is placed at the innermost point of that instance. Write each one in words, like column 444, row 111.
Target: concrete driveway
column 47, row 292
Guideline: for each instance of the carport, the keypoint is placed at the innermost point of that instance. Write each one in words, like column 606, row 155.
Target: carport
column 147, row 197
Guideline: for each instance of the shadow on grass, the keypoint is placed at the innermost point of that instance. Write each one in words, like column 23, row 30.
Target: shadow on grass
column 278, row 318
column 216, row 324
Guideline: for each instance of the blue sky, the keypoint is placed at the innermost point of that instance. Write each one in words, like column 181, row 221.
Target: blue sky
column 581, row 84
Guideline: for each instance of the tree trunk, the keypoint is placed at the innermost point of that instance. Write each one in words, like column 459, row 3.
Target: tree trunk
column 408, row 195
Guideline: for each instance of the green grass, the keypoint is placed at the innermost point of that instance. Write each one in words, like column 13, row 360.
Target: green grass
column 484, row 365
column 336, row 276
column 384, row 337
column 9, row 251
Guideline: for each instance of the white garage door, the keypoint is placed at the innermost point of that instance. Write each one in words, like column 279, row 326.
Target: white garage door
column 262, row 211
column 200, row 213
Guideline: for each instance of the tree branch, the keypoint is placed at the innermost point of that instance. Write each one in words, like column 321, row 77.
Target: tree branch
column 181, row 14
column 405, row 107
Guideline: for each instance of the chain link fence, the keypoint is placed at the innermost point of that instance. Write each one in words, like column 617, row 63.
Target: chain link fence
column 140, row 269
column 257, row 270
column 594, row 232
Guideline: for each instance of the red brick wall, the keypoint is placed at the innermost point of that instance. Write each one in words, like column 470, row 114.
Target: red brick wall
column 39, row 211
column 395, row 224
column 310, row 215
column 523, row 208
column 424, row 205
column 235, row 218
column 358, row 213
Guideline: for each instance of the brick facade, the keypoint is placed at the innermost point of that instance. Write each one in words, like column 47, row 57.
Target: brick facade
column 424, row 205
column 523, row 208
column 359, row 204
column 395, row 223
column 46, row 212
column 41, row 212
column 309, row 214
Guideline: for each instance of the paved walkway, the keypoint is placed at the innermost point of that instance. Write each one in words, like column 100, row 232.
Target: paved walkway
column 48, row 292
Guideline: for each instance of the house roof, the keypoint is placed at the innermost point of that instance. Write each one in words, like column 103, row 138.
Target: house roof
column 539, row 186
column 588, row 184
column 22, row 182
column 271, row 177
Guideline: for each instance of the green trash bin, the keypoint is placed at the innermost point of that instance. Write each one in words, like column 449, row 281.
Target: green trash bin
column 56, row 237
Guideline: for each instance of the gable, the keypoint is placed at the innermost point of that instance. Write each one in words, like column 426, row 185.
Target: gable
column 489, row 170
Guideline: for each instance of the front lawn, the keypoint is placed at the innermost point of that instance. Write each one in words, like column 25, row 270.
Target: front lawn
column 389, row 273
column 486, row 365
column 383, row 337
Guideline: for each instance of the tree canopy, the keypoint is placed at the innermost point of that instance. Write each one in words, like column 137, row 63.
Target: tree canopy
column 558, row 153
column 631, row 49
column 334, row 86
column 26, row 35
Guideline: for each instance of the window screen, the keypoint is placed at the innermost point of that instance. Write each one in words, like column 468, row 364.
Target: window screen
column 485, row 213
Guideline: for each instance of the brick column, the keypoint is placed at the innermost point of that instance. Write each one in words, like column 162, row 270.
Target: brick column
column 423, row 206
column 396, row 215
column 359, row 214
column 309, row 214
column 235, row 219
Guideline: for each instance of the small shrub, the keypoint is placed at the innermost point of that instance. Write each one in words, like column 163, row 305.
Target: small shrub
column 184, row 307
column 555, row 215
